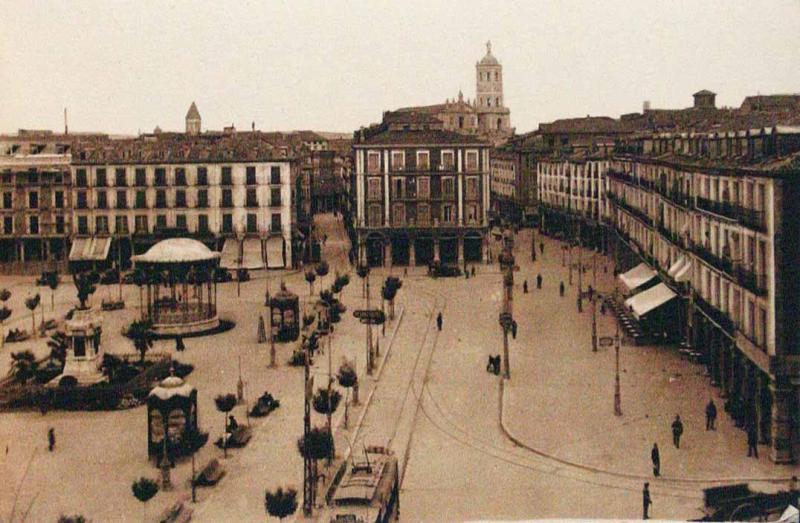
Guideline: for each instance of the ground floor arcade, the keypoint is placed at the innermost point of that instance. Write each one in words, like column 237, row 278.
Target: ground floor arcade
column 405, row 248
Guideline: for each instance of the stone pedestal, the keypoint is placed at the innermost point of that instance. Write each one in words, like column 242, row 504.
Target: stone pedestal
column 460, row 251
column 84, row 354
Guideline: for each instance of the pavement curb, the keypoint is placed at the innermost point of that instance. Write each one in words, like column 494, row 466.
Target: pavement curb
column 663, row 479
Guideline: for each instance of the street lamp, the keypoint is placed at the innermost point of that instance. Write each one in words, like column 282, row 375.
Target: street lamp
column 617, row 393
column 506, row 321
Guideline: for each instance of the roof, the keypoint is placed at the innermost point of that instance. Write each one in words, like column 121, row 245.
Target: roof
column 425, row 137
column 588, row 124
column 171, row 386
column 193, row 113
column 176, row 250
column 704, row 92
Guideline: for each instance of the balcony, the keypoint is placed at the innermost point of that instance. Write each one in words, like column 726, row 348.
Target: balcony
column 756, row 283
column 720, row 208
column 275, row 202
column 717, row 316
column 752, row 218
column 251, row 203
column 724, row 264
column 620, row 202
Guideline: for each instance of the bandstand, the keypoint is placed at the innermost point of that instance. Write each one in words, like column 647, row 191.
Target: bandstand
column 181, row 296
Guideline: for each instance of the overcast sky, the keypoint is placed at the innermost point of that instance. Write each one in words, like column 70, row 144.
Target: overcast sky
column 124, row 66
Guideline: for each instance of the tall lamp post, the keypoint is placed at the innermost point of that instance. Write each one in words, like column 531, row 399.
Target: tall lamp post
column 617, row 393
column 506, row 261
column 593, row 301
column 506, row 320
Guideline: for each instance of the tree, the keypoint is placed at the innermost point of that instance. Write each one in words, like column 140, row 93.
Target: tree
column 52, row 281
column 316, row 446
column 5, row 313
column 23, row 366
column 85, row 283
column 144, row 489
column 363, row 271
column 225, row 404
column 348, row 378
column 389, row 291
column 310, row 277
column 142, row 336
column 31, row 303
column 327, row 403
column 281, row 503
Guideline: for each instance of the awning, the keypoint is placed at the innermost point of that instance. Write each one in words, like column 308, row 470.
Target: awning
column 90, row 249
column 685, row 272
column 677, row 266
column 251, row 254
column 650, row 299
column 275, row 253
column 638, row 276
column 230, row 254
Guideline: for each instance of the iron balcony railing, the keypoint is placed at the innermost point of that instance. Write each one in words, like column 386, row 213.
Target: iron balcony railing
column 719, row 317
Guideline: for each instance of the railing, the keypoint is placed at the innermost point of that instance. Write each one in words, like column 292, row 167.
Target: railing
column 720, row 318
column 620, row 202
column 752, row 218
column 721, row 208
column 721, row 263
column 753, row 281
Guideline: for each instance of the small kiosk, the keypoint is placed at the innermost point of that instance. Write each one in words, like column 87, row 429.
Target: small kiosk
column 284, row 308
column 171, row 414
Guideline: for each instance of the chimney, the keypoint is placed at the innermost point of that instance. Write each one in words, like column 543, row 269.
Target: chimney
column 66, row 127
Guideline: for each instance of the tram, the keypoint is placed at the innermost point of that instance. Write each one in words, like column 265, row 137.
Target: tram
column 368, row 491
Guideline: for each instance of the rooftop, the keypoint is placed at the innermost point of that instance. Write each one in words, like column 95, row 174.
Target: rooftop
column 424, row 137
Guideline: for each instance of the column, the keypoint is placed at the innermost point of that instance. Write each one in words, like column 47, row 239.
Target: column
column 460, row 251
column 436, row 249
column 412, row 253
column 781, row 450
column 387, row 259
column 485, row 248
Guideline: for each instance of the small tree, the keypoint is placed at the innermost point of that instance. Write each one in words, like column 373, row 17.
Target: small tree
column 322, row 269
column 144, row 489
column 77, row 518
column 281, row 503
column 142, row 336
column 31, row 303
column 5, row 313
column 363, row 271
column 225, row 404
column 23, row 366
column 318, row 445
column 310, row 277
column 348, row 378
column 389, row 291
column 85, row 283
column 52, row 281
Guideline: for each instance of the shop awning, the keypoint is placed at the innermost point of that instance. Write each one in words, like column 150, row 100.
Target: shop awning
column 230, row 254
column 677, row 266
column 685, row 272
column 251, row 254
column 638, row 276
column 275, row 253
column 650, row 299
column 90, row 249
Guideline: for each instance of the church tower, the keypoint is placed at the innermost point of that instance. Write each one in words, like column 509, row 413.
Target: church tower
column 193, row 120
column 493, row 116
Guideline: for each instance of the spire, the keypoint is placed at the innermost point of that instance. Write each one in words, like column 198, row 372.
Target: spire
column 460, row 96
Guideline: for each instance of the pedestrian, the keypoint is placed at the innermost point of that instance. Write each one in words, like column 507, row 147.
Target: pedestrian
column 752, row 441
column 497, row 362
column 591, row 293
column 656, row 457
column 538, row 281
column 525, row 287
column 439, row 321
column 561, row 289
column 646, row 501
column 541, row 247
column 514, row 329
column 711, row 415
column 51, row 439
column 677, row 431
column 179, row 346
column 490, row 364
column 473, row 270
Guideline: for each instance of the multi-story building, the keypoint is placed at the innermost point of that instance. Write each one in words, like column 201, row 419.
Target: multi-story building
column 421, row 194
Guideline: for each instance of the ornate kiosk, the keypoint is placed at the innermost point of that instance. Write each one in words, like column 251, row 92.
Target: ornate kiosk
column 171, row 414
column 284, row 311
column 181, row 294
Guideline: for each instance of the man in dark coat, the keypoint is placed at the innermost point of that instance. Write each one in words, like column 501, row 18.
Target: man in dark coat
column 561, row 288
column 646, row 501
column 525, row 287
column 514, row 329
column 538, row 281
column 711, row 415
column 656, row 457
column 752, row 441
column 541, row 247
column 439, row 321
column 51, row 439
column 179, row 346
column 677, row 431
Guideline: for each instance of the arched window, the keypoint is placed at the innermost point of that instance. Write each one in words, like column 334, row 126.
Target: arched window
column 496, row 76
column 499, row 123
column 497, row 102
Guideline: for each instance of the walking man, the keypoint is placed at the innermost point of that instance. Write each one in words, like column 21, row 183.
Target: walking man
column 677, row 430
column 711, row 415
column 439, row 321
column 656, row 457
column 51, row 439
column 179, row 346
column 472, row 271
column 514, row 329
column 561, row 289
column 752, row 441
column 538, row 281
column 541, row 247
column 646, row 501
column 525, row 287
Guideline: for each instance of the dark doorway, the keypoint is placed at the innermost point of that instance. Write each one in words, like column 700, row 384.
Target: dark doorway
column 448, row 250
column 400, row 248
column 423, row 250
column 375, row 253
column 472, row 249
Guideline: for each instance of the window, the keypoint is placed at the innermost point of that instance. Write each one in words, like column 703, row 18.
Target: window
column 180, row 222
column 496, row 76
column 83, row 225
column 397, row 187
column 251, row 199
column 60, row 224
column 141, row 178
column 80, row 178
column 202, row 198
column 252, row 223
column 275, row 197
column 8, row 200
column 227, row 198
column 373, row 188
column 8, row 178
column 80, row 201
column 275, row 175
column 100, row 175
column 472, row 214
column 423, row 161
column 751, row 319
column 472, row 161
column 398, row 161
column 122, row 200
column 119, row 177
column 161, row 177
column 180, row 176
column 161, row 221
column 141, row 225
column 180, row 198
column 373, row 162
column 227, row 176
column 33, row 178
column 411, row 187
column 251, row 175
column 227, row 223
column 423, row 187
column 141, row 200
column 448, row 187
column 121, row 224
column 375, row 215
column 202, row 176
column 497, row 104
column 398, row 214
column 448, row 216
column 33, row 200
column 101, row 224
column 202, row 223
column 423, row 214
column 472, row 187
column 8, row 225
column 275, row 223
column 33, row 224
column 448, row 160
column 102, row 200
column 79, row 347
column 161, row 199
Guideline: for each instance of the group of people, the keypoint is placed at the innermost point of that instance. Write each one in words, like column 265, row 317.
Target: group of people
column 493, row 365
column 538, row 284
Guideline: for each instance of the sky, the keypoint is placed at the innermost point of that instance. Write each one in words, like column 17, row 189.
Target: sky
column 121, row 67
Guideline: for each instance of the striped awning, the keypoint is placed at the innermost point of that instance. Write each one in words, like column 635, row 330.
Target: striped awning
column 275, row 258
column 90, row 249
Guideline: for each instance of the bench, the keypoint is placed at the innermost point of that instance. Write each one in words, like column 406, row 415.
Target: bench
column 238, row 438
column 210, row 474
column 177, row 513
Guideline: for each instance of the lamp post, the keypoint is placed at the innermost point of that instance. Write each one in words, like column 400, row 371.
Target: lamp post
column 580, row 270
column 370, row 362
column 593, row 301
column 308, row 471
column 617, row 393
column 506, row 320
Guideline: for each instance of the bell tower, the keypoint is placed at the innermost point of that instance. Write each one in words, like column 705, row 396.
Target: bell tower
column 193, row 120
column 489, row 81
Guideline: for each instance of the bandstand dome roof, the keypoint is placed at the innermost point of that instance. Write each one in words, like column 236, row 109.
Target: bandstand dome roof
column 177, row 250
